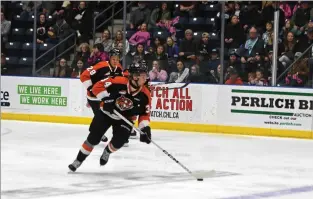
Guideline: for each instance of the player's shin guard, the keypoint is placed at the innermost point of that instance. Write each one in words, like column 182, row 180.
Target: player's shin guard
column 82, row 155
column 106, row 154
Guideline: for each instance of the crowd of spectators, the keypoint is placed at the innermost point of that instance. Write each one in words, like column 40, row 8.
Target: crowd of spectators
column 186, row 53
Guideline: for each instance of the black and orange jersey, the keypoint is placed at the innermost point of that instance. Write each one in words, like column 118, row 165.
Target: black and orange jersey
column 130, row 104
column 98, row 72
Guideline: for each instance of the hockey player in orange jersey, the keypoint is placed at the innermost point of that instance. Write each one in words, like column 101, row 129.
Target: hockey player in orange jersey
column 131, row 98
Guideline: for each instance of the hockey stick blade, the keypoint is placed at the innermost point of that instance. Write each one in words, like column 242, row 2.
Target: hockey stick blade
column 155, row 144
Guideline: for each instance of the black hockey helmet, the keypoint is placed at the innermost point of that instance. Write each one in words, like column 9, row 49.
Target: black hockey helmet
column 114, row 52
column 138, row 67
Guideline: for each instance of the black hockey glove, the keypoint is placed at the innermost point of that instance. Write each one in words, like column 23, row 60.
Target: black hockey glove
column 109, row 103
column 146, row 137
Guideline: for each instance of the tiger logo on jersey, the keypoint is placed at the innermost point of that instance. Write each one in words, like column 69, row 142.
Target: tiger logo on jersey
column 123, row 103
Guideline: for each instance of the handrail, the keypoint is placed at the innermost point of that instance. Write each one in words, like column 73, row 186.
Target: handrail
column 108, row 19
column 99, row 14
column 54, row 47
column 56, row 57
column 289, row 67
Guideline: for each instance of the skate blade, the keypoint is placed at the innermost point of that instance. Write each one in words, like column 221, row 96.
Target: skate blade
column 133, row 137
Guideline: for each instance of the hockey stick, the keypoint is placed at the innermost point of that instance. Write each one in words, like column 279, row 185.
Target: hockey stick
column 168, row 85
column 199, row 178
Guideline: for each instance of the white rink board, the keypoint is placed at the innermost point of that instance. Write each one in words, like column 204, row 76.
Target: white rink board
column 196, row 104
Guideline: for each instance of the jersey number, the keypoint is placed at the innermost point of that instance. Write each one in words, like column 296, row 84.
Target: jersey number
column 91, row 70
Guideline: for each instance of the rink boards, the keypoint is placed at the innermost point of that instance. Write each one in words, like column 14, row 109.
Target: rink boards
column 266, row 111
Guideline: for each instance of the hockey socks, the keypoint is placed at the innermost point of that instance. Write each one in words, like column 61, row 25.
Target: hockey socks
column 81, row 156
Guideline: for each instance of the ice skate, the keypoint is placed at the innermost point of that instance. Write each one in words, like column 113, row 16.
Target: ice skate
column 104, row 157
column 75, row 165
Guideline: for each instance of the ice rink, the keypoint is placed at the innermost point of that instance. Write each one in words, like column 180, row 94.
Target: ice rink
column 35, row 156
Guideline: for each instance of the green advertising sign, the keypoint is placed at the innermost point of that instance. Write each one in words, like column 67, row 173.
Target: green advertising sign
column 41, row 95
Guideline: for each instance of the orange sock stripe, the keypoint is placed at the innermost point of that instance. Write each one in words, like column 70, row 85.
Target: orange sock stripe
column 87, row 148
column 111, row 147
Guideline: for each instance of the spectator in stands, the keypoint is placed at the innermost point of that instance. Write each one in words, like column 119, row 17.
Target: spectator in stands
column 171, row 48
column 308, row 25
column 288, row 53
column 267, row 34
column 268, row 13
column 215, row 75
column 97, row 55
column 161, row 14
column 298, row 75
column 203, row 47
column 187, row 49
column 139, row 54
column 251, row 46
column 119, row 39
column 234, row 79
column 28, row 9
column 249, row 17
column 139, row 16
column 105, row 40
column 237, row 9
column 214, row 60
column 181, row 75
column 284, row 6
column 156, row 42
column 82, row 21
column 234, row 33
column 187, row 9
column 235, row 63
column 78, row 69
column 259, row 79
column 5, row 28
column 301, row 17
column 157, row 73
column 120, row 47
column 82, row 54
column 161, row 56
column 289, row 27
column 48, row 7
column 269, row 45
column 304, row 42
column 196, row 76
column 42, row 29
column 62, row 69
column 167, row 22
column 142, row 36
column 60, row 30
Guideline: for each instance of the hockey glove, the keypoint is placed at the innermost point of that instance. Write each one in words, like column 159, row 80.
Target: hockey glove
column 109, row 103
column 146, row 137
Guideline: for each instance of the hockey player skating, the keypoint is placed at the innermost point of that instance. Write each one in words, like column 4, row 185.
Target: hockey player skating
column 131, row 98
column 98, row 72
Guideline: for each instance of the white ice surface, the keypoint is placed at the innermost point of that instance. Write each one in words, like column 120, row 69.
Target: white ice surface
column 35, row 156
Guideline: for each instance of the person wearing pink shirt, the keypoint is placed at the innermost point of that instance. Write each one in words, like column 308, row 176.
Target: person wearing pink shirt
column 156, row 74
column 141, row 37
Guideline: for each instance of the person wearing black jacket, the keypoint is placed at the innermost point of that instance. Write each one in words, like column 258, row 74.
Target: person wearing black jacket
column 81, row 22
column 234, row 33
column 187, row 49
column 42, row 29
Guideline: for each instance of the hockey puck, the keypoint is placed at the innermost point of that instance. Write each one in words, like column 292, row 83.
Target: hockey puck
column 200, row 179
